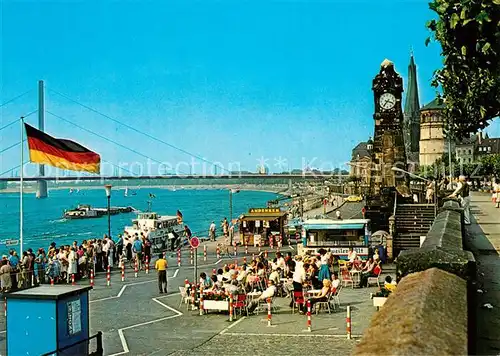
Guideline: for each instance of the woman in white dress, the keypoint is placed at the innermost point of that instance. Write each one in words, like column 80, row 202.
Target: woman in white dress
column 496, row 192
column 72, row 264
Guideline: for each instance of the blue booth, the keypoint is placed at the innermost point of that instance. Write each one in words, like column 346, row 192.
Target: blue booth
column 45, row 319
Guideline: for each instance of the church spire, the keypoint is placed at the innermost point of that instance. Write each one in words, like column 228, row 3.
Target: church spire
column 412, row 109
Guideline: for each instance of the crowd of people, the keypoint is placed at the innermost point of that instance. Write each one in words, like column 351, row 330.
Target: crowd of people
column 62, row 264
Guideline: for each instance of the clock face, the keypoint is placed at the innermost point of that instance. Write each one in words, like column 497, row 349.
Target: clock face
column 387, row 101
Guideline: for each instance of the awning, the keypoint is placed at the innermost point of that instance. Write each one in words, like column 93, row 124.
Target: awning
column 259, row 217
column 333, row 226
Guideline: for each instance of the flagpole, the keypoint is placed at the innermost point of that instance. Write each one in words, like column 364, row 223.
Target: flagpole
column 21, row 192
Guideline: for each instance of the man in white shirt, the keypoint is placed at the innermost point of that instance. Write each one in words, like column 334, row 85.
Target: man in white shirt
column 212, row 231
column 462, row 192
column 268, row 293
column 335, row 280
column 275, row 275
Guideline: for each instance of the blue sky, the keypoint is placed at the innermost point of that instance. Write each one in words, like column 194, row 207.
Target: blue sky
column 231, row 81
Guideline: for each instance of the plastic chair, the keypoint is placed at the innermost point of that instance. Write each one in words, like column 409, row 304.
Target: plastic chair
column 375, row 280
column 336, row 297
column 325, row 303
column 184, row 297
column 347, row 278
column 298, row 299
column 241, row 303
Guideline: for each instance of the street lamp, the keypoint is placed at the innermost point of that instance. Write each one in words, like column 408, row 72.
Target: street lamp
column 107, row 187
column 231, row 192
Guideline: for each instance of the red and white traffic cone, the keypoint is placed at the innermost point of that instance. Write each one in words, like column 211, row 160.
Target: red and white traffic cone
column 123, row 272
column 218, row 252
column 348, row 322
column 268, row 311
column 147, row 264
column 179, row 257
column 108, row 276
column 136, row 269
column 205, row 253
column 73, row 279
column 309, row 316
column 91, row 278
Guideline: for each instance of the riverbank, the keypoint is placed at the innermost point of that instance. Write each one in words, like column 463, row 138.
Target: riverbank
column 246, row 187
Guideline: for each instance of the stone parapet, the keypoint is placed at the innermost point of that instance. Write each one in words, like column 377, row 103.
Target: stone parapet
column 426, row 315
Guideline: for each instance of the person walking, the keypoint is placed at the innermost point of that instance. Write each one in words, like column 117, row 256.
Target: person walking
column 161, row 266
column 212, row 231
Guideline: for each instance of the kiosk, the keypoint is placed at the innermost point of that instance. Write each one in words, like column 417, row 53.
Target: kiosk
column 45, row 319
column 259, row 224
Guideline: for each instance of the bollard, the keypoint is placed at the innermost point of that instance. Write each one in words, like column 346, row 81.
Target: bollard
column 235, row 248
column 348, row 322
column 201, row 301
column 165, row 254
column 108, row 276
column 179, row 257
column 147, row 264
column 191, row 256
column 135, row 268
column 278, row 248
column 205, row 253
column 268, row 311
column 235, row 264
column 288, row 238
column 259, row 249
column 51, row 281
column 91, row 278
column 253, row 256
column 214, row 271
column 271, row 243
column 218, row 252
column 246, row 248
column 230, row 307
column 265, row 254
column 5, row 306
column 245, row 260
column 193, row 296
column 123, row 272
column 309, row 316
column 73, row 279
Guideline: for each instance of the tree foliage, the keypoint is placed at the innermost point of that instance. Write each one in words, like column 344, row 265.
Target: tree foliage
column 469, row 34
column 490, row 164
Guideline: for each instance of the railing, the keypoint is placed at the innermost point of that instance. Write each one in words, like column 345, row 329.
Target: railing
column 99, row 350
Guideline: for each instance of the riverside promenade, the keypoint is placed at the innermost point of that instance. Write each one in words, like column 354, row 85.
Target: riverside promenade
column 484, row 235
column 136, row 320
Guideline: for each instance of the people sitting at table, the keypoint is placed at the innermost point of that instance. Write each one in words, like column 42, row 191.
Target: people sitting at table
column 367, row 272
column 335, row 280
column 275, row 275
column 268, row 293
column 322, row 296
column 387, row 289
column 220, row 274
column 205, row 281
column 279, row 262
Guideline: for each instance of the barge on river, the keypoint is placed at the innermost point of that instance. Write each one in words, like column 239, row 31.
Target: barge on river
column 84, row 211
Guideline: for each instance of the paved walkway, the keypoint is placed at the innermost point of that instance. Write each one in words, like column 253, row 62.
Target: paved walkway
column 485, row 233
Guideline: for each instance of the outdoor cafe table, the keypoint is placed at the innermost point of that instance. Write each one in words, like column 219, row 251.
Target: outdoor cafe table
column 314, row 292
column 254, row 295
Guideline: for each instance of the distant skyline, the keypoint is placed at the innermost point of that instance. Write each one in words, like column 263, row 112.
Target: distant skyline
column 229, row 81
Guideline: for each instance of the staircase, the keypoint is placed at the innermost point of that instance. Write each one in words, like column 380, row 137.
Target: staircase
column 412, row 221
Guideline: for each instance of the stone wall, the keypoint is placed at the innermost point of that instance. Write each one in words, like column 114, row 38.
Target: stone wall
column 426, row 315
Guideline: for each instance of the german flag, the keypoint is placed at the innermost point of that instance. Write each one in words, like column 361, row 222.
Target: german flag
column 60, row 153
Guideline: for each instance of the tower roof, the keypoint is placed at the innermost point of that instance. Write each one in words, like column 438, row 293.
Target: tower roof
column 433, row 105
column 412, row 103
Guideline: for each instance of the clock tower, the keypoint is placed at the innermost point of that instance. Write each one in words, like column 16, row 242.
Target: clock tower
column 388, row 142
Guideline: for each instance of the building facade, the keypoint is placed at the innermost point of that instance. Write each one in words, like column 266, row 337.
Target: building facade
column 361, row 162
column 433, row 143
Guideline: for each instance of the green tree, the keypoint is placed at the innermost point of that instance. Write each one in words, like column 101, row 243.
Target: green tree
column 490, row 164
column 469, row 34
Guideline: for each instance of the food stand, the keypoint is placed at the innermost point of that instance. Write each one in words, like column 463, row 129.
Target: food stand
column 259, row 224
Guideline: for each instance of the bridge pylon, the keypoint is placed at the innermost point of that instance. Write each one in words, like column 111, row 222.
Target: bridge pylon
column 41, row 191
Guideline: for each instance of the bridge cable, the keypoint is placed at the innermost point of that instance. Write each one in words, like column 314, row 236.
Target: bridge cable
column 136, row 130
column 15, row 98
column 11, row 146
column 105, row 138
column 13, row 168
column 17, row 120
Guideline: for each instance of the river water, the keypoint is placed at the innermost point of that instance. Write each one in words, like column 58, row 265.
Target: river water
column 43, row 222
